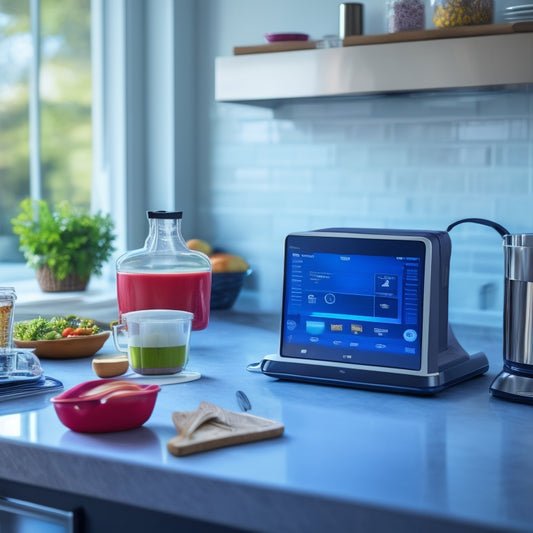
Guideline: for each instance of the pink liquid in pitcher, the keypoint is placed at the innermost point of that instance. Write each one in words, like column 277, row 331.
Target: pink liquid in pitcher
column 190, row 291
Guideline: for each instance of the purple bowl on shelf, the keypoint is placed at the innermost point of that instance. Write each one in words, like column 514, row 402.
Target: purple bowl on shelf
column 279, row 37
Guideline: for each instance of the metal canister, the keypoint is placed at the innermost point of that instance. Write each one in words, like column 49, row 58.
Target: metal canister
column 518, row 300
column 350, row 20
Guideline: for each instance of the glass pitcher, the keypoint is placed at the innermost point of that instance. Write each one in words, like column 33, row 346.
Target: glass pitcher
column 165, row 274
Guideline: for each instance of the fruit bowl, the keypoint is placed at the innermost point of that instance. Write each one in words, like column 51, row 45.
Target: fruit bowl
column 67, row 348
column 225, row 288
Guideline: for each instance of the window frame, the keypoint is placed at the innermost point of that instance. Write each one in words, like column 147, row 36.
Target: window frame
column 143, row 111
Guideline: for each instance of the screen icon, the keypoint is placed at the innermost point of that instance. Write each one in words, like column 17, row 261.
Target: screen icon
column 315, row 327
column 410, row 335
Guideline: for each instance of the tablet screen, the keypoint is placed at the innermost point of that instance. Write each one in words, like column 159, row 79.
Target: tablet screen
column 353, row 300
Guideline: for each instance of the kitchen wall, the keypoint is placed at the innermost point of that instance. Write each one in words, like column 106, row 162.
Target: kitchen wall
column 417, row 161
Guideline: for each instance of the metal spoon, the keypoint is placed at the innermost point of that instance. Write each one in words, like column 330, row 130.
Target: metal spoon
column 243, row 401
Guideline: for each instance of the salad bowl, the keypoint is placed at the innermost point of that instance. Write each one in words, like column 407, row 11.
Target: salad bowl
column 66, row 348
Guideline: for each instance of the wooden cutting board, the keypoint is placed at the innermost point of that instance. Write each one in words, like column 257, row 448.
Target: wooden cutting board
column 399, row 37
column 211, row 426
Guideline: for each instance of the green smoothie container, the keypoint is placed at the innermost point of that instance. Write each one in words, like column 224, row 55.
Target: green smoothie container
column 156, row 340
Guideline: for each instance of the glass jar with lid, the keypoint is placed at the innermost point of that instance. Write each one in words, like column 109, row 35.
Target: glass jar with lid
column 165, row 274
column 405, row 15
column 7, row 311
column 451, row 13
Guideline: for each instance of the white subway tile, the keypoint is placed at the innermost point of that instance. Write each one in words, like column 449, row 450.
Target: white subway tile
column 254, row 131
column 424, row 132
column 411, row 162
column 485, row 130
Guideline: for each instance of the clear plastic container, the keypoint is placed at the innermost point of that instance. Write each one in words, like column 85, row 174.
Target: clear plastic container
column 451, row 13
column 405, row 15
column 165, row 274
column 17, row 366
column 7, row 311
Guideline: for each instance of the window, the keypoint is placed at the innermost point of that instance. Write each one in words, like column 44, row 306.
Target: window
column 45, row 107
column 134, row 62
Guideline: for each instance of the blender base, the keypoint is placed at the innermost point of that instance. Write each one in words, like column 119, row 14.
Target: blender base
column 513, row 387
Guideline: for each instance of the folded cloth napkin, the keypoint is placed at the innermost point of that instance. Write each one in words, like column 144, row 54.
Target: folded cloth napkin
column 211, row 426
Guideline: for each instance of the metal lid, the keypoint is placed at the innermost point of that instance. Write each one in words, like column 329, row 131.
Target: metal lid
column 518, row 250
column 519, row 239
column 8, row 293
column 164, row 214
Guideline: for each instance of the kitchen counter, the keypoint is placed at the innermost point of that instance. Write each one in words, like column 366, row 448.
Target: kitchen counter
column 348, row 460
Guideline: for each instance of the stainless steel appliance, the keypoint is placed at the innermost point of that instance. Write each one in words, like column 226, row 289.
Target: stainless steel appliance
column 515, row 382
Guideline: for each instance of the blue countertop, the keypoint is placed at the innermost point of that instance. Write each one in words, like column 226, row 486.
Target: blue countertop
column 348, row 458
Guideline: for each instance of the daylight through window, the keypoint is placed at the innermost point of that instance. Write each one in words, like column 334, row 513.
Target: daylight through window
column 58, row 136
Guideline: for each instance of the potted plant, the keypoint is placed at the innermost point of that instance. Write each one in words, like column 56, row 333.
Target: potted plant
column 64, row 246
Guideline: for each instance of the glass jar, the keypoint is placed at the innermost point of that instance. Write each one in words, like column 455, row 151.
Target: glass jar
column 165, row 274
column 405, row 15
column 7, row 311
column 451, row 13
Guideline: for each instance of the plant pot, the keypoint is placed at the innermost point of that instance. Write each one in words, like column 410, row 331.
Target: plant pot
column 49, row 283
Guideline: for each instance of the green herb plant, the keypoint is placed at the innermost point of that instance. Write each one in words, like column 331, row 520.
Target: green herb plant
column 67, row 240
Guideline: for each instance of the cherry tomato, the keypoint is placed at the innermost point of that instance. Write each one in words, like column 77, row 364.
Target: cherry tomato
column 67, row 332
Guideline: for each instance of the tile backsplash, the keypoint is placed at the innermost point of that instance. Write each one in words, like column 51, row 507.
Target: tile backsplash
column 418, row 161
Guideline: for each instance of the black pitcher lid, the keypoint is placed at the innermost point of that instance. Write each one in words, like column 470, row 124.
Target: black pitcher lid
column 164, row 214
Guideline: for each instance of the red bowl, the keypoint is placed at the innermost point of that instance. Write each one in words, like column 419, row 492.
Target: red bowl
column 115, row 413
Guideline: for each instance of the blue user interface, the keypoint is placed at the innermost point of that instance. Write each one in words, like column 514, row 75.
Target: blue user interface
column 352, row 307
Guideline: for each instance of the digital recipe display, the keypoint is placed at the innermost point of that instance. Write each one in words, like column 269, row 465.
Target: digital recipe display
column 363, row 307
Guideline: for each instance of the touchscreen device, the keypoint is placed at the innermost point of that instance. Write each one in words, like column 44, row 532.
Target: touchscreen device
column 368, row 308
column 357, row 301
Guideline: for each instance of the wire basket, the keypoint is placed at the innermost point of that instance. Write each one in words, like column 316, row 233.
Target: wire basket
column 49, row 283
column 225, row 288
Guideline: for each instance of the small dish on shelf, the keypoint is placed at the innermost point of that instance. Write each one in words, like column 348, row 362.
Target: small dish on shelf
column 280, row 37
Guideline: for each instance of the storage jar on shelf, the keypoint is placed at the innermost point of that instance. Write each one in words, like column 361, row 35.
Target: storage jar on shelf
column 451, row 13
column 405, row 15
